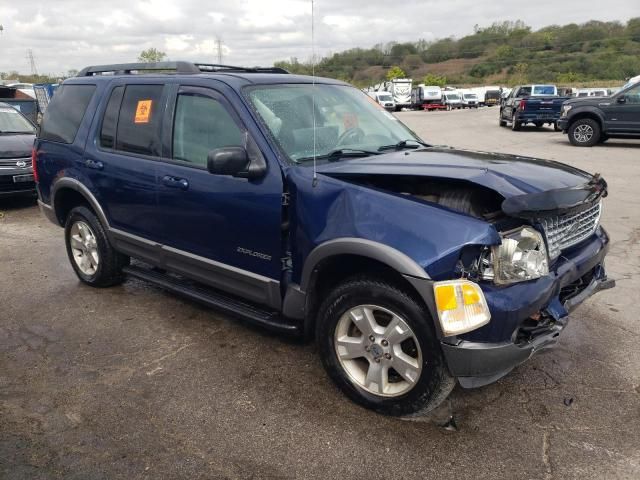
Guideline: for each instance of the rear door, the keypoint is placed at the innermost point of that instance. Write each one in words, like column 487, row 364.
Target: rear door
column 122, row 160
column 222, row 230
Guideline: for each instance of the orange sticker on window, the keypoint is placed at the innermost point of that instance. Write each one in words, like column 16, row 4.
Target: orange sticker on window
column 143, row 111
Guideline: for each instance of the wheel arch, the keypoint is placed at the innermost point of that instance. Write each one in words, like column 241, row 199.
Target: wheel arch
column 338, row 259
column 592, row 114
column 68, row 193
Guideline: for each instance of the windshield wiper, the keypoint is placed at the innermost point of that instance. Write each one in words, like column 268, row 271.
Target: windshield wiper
column 403, row 144
column 342, row 153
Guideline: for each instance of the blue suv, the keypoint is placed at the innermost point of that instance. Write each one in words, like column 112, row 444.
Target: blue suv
column 299, row 204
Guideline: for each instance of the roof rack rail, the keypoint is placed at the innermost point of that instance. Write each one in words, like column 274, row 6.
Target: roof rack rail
column 177, row 67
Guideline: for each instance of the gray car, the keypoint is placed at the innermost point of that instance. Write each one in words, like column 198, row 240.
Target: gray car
column 16, row 142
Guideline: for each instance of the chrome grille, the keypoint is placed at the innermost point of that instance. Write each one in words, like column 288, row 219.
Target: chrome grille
column 564, row 231
column 10, row 163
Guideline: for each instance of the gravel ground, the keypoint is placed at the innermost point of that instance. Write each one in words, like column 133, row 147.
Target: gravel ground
column 131, row 382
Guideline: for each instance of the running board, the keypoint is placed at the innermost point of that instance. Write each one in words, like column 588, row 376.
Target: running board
column 266, row 318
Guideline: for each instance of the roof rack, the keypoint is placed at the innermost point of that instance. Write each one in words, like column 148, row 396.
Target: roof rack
column 177, row 67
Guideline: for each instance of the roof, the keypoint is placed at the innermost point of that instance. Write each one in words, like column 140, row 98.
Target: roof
column 232, row 75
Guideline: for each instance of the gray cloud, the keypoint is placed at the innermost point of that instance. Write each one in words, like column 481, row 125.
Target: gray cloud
column 70, row 34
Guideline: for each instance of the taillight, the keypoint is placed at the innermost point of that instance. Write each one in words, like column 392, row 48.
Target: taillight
column 523, row 105
column 34, row 164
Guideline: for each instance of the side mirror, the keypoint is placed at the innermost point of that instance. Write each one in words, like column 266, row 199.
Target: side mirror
column 622, row 99
column 234, row 161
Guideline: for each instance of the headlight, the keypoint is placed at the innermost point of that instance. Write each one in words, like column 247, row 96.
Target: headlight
column 461, row 306
column 565, row 110
column 521, row 256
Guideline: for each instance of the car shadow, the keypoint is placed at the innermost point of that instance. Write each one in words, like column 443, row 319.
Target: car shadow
column 18, row 203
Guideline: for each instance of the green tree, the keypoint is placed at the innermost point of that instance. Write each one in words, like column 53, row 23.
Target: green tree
column 151, row 55
column 395, row 72
column 520, row 72
column 568, row 77
column 437, row 80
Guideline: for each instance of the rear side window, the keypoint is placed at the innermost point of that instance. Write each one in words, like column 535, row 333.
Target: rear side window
column 138, row 129
column 110, row 119
column 65, row 112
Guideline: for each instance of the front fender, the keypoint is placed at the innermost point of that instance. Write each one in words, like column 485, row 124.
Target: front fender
column 577, row 112
column 405, row 228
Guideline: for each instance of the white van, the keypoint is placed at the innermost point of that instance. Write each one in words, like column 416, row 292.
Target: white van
column 469, row 99
column 452, row 99
column 385, row 99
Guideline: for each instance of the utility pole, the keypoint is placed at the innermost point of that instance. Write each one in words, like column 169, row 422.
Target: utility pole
column 32, row 62
column 219, row 45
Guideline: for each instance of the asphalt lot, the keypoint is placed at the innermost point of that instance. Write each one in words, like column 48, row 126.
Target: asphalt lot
column 131, row 382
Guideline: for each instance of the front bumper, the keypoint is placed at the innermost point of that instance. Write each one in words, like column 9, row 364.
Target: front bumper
column 563, row 124
column 10, row 188
column 487, row 354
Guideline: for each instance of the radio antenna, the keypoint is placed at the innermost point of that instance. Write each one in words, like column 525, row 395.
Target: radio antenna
column 313, row 93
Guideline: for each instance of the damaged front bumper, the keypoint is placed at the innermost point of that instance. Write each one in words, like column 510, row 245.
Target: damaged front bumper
column 534, row 320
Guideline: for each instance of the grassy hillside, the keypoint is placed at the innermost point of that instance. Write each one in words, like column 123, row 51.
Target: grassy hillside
column 503, row 53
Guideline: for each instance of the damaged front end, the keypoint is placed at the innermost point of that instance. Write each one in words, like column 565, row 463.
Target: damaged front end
column 533, row 279
column 544, row 257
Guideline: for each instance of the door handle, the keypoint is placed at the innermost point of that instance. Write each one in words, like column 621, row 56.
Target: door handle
column 94, row 164
column 174, row 182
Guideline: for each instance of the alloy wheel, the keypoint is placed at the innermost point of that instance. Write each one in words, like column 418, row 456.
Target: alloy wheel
column 583, row 133
column 378, row 350
column 84, row 248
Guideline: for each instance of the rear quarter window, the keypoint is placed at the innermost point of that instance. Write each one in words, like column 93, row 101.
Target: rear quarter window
column 65, row 113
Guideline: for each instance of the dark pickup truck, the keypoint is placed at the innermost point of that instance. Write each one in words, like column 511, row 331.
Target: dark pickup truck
column 592, row 120
column 537, row 104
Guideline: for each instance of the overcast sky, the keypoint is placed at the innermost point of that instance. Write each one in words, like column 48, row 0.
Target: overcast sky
column 70, row 34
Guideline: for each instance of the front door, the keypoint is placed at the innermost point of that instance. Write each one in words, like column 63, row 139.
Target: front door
column 219, row 229
column 622, row 112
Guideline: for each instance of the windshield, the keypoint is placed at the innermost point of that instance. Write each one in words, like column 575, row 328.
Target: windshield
column 385, row 98
column 451, row 96
column 12, row 122
column 470, row 96
column 345, row 118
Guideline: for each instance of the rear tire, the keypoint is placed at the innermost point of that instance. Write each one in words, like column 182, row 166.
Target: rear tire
column 353, row 360
column 556, row 128
column 538, row 124
column 92, row 257
column 584, row 132
column 515, row 124
column 502, row 122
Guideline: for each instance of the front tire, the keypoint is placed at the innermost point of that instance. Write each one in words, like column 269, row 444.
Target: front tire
column 584, row 132
column 92, row 257
column 378, row 345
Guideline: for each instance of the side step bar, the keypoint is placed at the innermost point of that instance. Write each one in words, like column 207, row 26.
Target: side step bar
column 265, row 318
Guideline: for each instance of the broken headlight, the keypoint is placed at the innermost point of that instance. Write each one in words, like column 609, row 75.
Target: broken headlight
column 521, row 256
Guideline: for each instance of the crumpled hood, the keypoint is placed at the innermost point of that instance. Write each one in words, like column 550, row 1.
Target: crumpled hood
column 16, row 146
column 508, row 175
